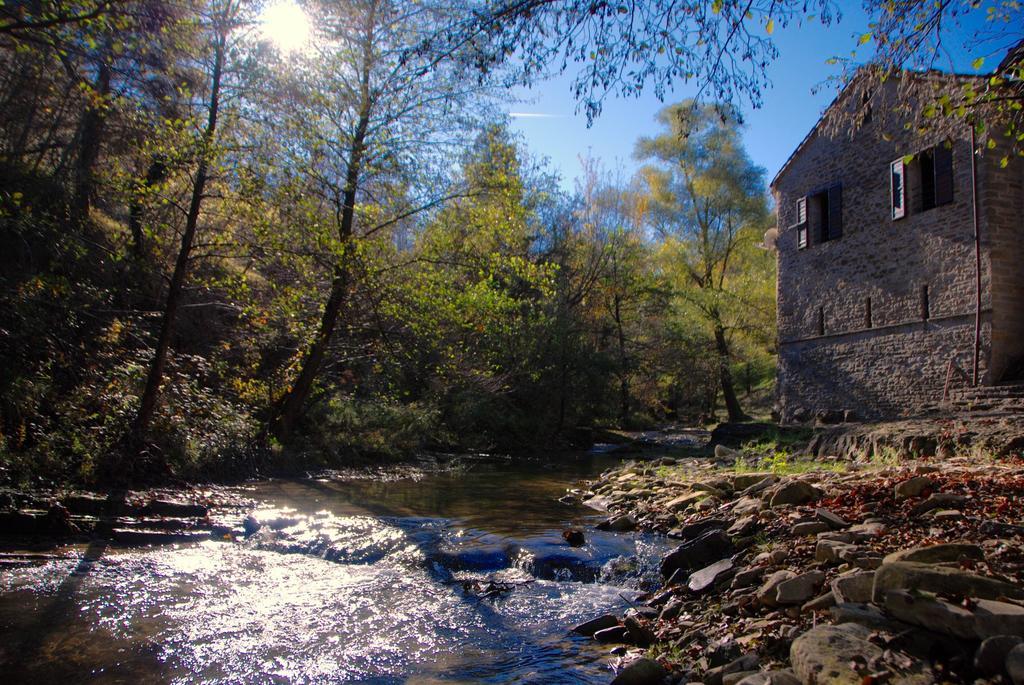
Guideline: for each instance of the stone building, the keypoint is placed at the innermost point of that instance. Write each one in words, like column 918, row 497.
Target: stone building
column 880, row 281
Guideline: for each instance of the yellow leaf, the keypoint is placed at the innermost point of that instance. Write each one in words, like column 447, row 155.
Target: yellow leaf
column 770, row 26
column 864, row 38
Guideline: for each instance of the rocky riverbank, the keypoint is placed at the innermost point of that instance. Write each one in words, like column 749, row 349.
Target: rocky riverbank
column 822, row 572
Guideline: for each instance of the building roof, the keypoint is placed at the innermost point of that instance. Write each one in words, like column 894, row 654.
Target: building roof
column 933, row 74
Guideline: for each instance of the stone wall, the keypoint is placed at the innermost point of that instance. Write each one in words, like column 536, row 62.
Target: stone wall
column 1001, row 194
column 894, row 363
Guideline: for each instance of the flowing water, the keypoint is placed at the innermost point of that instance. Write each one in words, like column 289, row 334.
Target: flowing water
column 442, row 575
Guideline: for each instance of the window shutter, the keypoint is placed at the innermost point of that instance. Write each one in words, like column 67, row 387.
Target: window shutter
column 943, row 174
column 899, row 189
column 801, row 236
column 835, row 211
column 801, row 210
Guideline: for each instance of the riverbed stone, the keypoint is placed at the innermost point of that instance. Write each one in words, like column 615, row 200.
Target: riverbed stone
column 829, row 550
column 165, row 507
column 745, row 506
column 704, row 550
column 799, row 589
column 809, row 528
column 588, row 628
column 794, row 492
column 705, row 578
column 743, row 527
column 913, row 487
column 986, row 618
column 990, row 657
column 1015, row 665
column 906, row 575
column 613, row 634
column 640, row 634
column 695, row 529
column 742, row 481
column 766, row 593
column 822, row 655
column 831, row 519
column 939, row 500
column 938, row 554
column 853, row 588
column 684, row 502
column 642, row 671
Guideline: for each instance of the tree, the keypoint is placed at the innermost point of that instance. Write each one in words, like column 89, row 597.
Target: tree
column 724, row 47
column 374, row 120
column 707, row 199
column 915, row 38
column 221, row 25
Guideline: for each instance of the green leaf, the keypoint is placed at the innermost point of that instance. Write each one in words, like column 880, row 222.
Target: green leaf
column 716, row 6
column 1004, row 162
column 864, row 38
column 977, row 63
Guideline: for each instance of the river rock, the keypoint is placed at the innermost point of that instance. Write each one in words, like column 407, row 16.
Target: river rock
column 906, row 575
column 574, row 536
column 1015, row 665
column 588, row 628
column 613, row 634
column 706, row 578
column 742, row 481
column 766, row 593
column 809, row 528
column 743, row 527
column 822, row 655
column 938, row 554
column 799, row 589
column 940, row 500
column 990, row 658
column 854, row 588
column 832, row 520
column 695, row 529
column 621, row 524
column 745, row 506
column 684, row 502
column 820, row 603
column 986, row 618
column 640, row 634
column 913, row 487
column 163, row 507
column 794, row 492
column 830, row 550
column 702, row 551
column 642, row 671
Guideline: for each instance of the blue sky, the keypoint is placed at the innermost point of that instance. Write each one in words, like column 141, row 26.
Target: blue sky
column 791, row 106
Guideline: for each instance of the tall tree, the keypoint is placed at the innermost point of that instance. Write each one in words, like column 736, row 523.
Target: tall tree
column 377, row 117
column 709, row 198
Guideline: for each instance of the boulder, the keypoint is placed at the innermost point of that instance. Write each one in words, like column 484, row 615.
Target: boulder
column 695, row 529
column 642, row 671
column 745, row 506
column 794, row 492
column 574, row 536
column 913, row 487
column 853, row 588
column 640, row 633
column 820, row 603
column 940, row 500
column 742, row 481
column 823, row 655
column 938, row 554
column 766, row 593
column 829, row 550
column 809, row 528
column 614, row 634
column 684, row 502
column 990, row 657
column 832, row 520
column 588, row 628
column 697, row 553
column 906, row 575
column 723, row 452
column 743, row 527
column 799, row 589
column 706, row 578
column 622, row 524
column 986, row 618
column 163, row 507
column 1015, row 665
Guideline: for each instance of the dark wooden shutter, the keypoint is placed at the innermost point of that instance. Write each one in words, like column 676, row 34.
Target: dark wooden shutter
column 835, row 212
column 943, row 174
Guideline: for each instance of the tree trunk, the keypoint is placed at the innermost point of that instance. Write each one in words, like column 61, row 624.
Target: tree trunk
column 732, row 404
column 623, row 365
column 157, row 172
column 156, row 369
column 89, row 144
column 289, row 410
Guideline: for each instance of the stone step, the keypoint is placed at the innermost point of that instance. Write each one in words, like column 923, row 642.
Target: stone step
column 140, row 536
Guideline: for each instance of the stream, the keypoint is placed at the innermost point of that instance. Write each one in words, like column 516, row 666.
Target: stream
column 453, row 574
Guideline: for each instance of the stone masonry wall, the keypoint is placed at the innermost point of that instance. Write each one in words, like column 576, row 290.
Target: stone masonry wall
column 1001, row 194
column 898, row 363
